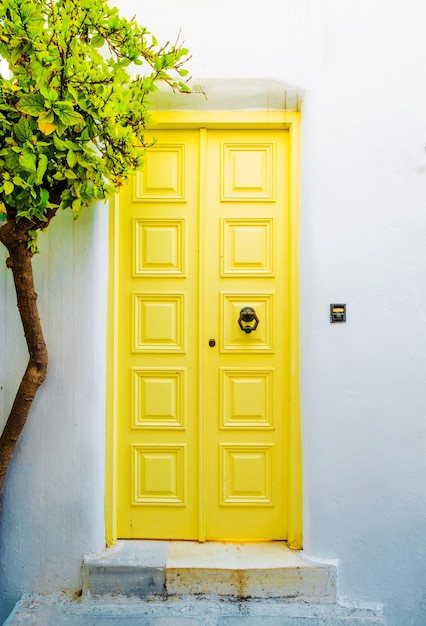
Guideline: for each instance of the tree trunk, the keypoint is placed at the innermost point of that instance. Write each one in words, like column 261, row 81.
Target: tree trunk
column 20, row 261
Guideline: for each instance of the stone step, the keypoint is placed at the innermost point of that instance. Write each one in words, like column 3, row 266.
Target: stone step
column 192, row 611
column 177, row 568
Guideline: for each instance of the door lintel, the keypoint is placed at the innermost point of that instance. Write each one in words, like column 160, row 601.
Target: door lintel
column 238, row 119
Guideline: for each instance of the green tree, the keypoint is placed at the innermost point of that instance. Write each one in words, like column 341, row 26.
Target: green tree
column 73, row 111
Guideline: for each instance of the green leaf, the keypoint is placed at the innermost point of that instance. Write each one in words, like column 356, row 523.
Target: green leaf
column 44, row 197
column 27, row 161
column 69, row 117
column 97, row 41
column 71, row 158
column 8, row 187
column 60, row 144
column 32, row 241
column 22, row 130
column 41, row 168
column 76, row 207
column 31, row 104
column 49, row 94
column 60, row 127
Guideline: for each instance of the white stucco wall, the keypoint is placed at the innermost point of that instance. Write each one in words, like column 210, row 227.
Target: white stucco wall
column 360, row 68
column 53, row 500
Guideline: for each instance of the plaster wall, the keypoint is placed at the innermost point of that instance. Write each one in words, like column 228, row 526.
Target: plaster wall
column 358, row 71
column 53, row 498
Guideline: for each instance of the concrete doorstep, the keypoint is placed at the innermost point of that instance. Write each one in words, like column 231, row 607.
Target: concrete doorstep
column 250, row 570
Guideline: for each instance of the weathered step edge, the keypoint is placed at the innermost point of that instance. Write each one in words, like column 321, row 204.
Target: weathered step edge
column 148, row 573
column 61, row 609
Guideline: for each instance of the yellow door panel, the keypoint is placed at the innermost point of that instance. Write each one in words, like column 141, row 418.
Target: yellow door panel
column 247, row 246
column 246, row 219
column 158, row 410
column 203, row 381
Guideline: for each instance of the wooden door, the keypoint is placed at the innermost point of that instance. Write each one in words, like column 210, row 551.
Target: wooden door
column 203, row 394
column 246, row 266
column 158, row 402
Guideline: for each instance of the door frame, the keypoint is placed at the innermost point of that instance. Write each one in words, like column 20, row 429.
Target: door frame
column 284, row 120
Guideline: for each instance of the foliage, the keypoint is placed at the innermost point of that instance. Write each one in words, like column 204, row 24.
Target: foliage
column 74, row 109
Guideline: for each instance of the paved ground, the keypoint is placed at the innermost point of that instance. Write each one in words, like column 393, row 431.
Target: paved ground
column 189, row 611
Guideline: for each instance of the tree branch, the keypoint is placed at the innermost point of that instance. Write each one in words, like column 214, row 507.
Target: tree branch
column 20, row 261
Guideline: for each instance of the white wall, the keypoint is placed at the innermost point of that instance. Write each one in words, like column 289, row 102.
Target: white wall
column 360, row 66
column 53, row 500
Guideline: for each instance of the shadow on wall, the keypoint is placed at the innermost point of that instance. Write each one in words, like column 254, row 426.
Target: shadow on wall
column 211, row 94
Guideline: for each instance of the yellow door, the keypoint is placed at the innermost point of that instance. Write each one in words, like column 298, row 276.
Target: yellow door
column 203, row 354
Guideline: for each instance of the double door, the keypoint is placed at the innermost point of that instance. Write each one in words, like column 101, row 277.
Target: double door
column 203, row 355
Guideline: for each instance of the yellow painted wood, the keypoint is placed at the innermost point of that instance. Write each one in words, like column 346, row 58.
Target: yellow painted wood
column 247, row 238
column 111, row 506
column 213, row 450
column 295, row 495
column 226, row 120
column 202, row 260
column 158, row 370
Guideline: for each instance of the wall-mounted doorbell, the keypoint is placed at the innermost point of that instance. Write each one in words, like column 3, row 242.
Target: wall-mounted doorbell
column 337, row 313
